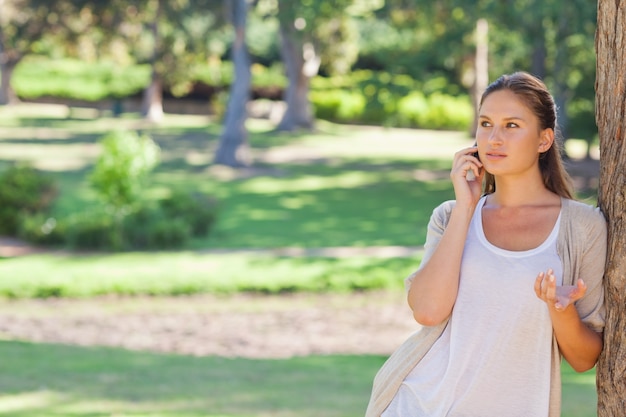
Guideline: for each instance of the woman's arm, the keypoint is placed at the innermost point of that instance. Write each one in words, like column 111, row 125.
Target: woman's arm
column 579, row 344
column 435, row 285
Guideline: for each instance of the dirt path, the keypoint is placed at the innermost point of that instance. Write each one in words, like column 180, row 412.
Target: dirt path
column 235, row 326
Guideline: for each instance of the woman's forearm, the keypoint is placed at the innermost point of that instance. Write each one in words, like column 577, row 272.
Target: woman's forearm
column 579, row 344
column 435, row 286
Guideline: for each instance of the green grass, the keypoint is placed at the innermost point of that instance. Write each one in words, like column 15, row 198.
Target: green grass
column 55, row 380
column 180, row 273
column 340, row 186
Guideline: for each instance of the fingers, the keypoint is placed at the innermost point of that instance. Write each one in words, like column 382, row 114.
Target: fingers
column 465, row 160
column 557, row 297
column 545, row 285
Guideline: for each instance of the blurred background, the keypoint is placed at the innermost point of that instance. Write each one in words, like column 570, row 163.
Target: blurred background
column 208, row 208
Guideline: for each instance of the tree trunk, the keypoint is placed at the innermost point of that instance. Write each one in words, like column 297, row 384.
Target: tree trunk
column 7, row 94
column 233, row 147
column 301, row 63
column 152, row 102
column 611, row 120
column 481, row 68
column 7, row 65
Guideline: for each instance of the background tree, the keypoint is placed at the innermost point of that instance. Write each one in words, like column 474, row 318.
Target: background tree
column 307, row 29
column 233, row 146
column 174, row 42
column 611, row 119
column 23, row 24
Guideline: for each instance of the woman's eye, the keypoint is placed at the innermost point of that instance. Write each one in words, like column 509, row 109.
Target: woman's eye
column 511, row 124
column 485, row 124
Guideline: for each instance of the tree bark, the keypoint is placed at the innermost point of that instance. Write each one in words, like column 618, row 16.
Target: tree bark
column 152, row 102
column 7, row 94
column 233, row 147
column 7, row 65
column 611, row 120
column 301, row 63
column 481, row 68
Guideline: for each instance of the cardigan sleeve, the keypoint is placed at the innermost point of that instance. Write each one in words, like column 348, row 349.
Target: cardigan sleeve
column 434, row 232
column 590, row 230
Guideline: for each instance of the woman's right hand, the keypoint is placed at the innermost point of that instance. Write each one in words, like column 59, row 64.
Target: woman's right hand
column 467, row 191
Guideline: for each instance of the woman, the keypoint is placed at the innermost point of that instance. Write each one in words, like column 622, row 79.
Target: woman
column 511, row 278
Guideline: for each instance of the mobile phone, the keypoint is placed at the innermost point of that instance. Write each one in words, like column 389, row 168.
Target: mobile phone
column 470, row 174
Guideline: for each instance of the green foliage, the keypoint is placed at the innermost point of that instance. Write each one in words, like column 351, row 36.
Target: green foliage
column 437, row 111
column 24, row 192
column 151, row 228
column 125, row 162
column 197, row 210
column 43, row 229
column 93, row 230
column 338, row 105
column 38, row 76
column 390, row 100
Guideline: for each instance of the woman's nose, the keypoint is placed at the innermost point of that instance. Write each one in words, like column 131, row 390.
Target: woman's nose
column 495, row 136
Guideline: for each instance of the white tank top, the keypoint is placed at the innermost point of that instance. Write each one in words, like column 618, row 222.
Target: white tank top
column 493, row 359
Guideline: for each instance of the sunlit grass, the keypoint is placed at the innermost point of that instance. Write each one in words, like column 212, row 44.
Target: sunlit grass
column 190, row 273
column 57, row 380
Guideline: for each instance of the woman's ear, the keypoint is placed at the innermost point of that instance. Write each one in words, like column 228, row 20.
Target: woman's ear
column 547, row 139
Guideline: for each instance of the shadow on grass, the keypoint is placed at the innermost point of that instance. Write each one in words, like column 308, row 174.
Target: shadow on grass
column 55, row 380
column 58, row 380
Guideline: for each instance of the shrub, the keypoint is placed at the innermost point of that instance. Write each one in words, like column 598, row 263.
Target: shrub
column 93, row 231
column 338, row 105
column 42, row 229
column 150, row 228
column 24, row 192
column 198, row 210
column 121, row 169
column 437, row 111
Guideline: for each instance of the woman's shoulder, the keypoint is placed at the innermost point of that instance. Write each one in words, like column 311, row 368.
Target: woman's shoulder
column 442, row 211
column 582, row 215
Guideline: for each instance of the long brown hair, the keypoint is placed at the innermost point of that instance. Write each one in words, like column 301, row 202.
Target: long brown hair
column 534, row 93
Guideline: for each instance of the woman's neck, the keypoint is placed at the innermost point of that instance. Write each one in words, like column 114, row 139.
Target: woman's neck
column 523, row 192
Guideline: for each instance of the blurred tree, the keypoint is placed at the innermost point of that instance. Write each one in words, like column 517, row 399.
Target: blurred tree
column 233, row 146
column 23, row 25
column 174, row 42
column 558, row 37
column 610, row 115
column 312, row 32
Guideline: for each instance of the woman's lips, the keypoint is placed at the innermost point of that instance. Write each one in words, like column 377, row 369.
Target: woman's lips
column 495, row 155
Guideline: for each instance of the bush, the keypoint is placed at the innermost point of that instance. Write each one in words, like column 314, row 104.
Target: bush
column 150, row 228
column 166, row 224
column 42, row 229
column 338, row 105
column 121, row 169
column 198, row 210
column 37, row 76
column 24, row 192
column 93, row 231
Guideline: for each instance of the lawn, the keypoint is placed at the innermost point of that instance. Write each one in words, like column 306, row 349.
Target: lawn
column 55, row 380
column 339, row 186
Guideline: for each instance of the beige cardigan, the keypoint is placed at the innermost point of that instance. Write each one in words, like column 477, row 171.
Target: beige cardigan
column 581, row 245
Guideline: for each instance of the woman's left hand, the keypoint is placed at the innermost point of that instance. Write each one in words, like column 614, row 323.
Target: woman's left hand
column 558, row 297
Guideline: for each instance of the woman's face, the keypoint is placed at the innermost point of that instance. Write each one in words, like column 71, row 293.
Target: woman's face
column 509, row 136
